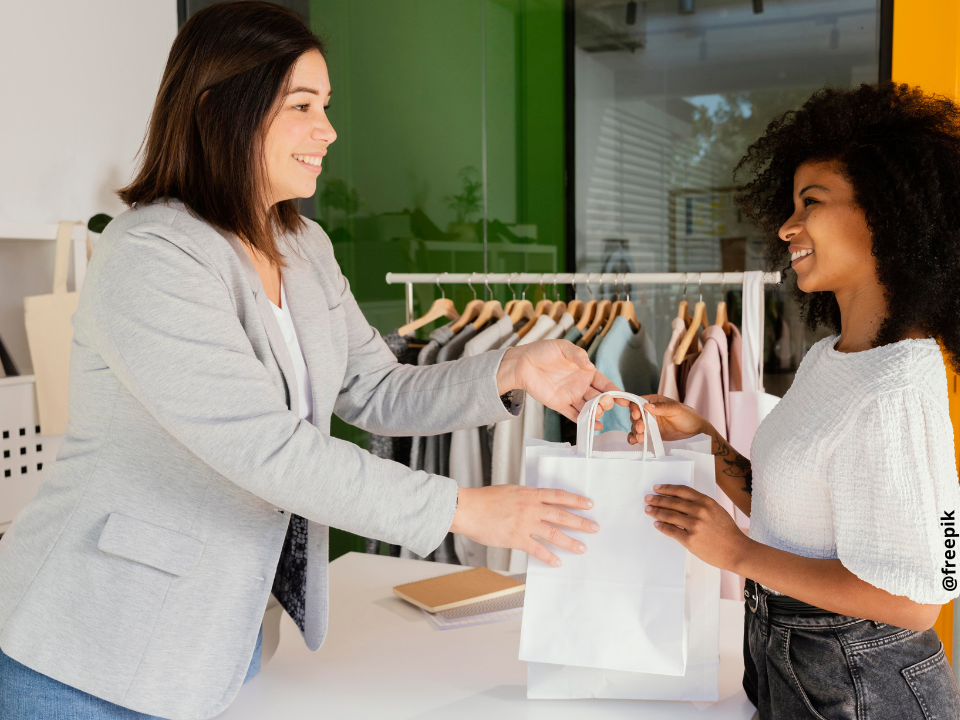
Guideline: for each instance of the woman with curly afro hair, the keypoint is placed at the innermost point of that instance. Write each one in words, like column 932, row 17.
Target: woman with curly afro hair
column 852, row 482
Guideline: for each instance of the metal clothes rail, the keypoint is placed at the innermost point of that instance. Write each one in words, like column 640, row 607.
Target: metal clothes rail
column 677, row 278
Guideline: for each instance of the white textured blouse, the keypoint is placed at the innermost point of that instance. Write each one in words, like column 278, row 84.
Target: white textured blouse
column 304, row 387
column 857, row 462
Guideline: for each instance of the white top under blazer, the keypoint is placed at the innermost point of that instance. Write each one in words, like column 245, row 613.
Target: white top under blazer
column 304, row 389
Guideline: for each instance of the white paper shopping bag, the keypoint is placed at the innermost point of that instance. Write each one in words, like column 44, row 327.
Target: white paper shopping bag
column 620, row 606
column 701, row 679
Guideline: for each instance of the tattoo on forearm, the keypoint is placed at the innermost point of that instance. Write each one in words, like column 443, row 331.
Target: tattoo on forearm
column 737, row 466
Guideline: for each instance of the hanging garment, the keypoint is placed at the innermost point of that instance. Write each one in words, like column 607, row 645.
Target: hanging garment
column 564, row 324
column 707, row 392
column 669, row 374
column 628, row 360
column 470, row 449
column 419, row 445
column 594, row 346
column 428, row 356
column 437, row 455
column 507, row 459
column 750, row 405
column 397, row 449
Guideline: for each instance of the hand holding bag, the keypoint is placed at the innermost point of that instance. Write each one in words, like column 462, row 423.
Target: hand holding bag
column 620, row 606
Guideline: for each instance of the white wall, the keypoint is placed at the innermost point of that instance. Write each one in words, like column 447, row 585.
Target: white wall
column 77, row 84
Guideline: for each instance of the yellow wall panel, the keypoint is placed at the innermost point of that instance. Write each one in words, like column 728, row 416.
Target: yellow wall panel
column 926, row 52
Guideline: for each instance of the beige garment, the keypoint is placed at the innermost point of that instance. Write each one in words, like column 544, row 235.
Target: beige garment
column 708, row 392
column 506, row 466
column 469, row 448
column 673, row 376
column 563, row 325
column 49, row 336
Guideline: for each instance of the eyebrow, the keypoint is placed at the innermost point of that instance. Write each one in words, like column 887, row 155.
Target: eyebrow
column 812, row 187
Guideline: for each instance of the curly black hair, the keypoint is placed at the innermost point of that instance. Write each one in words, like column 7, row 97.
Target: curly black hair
column 900, row 149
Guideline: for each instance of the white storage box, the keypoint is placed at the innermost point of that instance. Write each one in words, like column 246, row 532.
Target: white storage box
column 23, row 451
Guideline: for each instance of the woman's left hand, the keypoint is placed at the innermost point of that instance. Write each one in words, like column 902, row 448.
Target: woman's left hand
column 698, row 523
column 558, row 374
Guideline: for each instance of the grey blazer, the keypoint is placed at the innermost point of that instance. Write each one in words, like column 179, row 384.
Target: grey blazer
column 141, row 571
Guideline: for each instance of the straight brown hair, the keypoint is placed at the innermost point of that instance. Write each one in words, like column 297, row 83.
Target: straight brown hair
column 221, row 88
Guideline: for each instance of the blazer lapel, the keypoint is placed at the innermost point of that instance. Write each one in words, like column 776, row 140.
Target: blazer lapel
column 274, row 334
column 307, row 301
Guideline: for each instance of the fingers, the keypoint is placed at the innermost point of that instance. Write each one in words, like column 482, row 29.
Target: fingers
column 687, row 507
column 577, row 354
column 558, row 516
column 557, row 537
column 682, row 491
column 671, row 516
column 678, row 534
column 552, row 496
column 538, row 551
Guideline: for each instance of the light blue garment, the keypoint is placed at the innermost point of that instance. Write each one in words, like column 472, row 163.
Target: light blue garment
column 25, row 694
column 628, row 359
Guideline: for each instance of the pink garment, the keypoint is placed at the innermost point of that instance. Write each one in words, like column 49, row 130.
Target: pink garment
column 708, row 392
column 669, row 386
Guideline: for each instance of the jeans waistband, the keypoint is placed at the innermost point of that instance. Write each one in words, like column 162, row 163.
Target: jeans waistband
column 779, row 604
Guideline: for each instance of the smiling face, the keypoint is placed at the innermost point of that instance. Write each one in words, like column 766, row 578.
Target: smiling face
column 299, row 135
column 829, row 240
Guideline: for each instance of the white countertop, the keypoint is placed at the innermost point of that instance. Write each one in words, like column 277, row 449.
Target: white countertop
column 382, row 659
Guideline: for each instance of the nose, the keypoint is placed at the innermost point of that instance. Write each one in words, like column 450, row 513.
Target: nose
column 323, row 131
column 789, row 229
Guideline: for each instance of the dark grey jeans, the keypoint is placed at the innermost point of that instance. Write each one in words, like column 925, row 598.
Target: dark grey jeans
column 835, row 667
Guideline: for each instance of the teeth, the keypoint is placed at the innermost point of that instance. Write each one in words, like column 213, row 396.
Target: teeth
column 799, row 254
column 318, row 161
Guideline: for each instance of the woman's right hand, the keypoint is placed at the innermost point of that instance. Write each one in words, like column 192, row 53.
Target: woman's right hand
column 675, row 420
column 518, row 517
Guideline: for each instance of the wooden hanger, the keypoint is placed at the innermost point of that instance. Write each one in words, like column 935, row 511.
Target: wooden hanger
column 575, row 308
column 602, row 313
column 521, row 309
column 491, row 309
column 544, row 307
column 559, row 308
column 614, row 312
column 683, row 312
column 699, row 319
column 722, row 320
column 470, row 313
column 630, row 313
column 442, row 308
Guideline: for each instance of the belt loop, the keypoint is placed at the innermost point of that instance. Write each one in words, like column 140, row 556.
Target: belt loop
column 752, row 595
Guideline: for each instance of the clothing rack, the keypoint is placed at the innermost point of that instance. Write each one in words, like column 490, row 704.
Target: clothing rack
column 676, row 278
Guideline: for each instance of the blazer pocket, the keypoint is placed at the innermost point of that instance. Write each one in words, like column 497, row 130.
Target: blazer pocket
column 149, row 544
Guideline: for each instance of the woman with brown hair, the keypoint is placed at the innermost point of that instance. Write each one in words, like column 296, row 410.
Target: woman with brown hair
column 214, row 338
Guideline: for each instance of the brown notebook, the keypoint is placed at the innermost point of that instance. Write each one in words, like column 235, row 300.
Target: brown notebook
column 457, row 589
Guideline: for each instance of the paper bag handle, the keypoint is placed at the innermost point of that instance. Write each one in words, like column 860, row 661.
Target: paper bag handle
column 62, row 262
column 588, row 416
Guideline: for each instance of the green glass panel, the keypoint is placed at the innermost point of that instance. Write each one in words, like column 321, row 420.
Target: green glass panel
column 421, row 88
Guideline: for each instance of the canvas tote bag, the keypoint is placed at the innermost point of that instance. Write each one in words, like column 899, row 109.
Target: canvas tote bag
column 49, row 334
column 620, row 606
column 750, row 406
column 701, row 679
